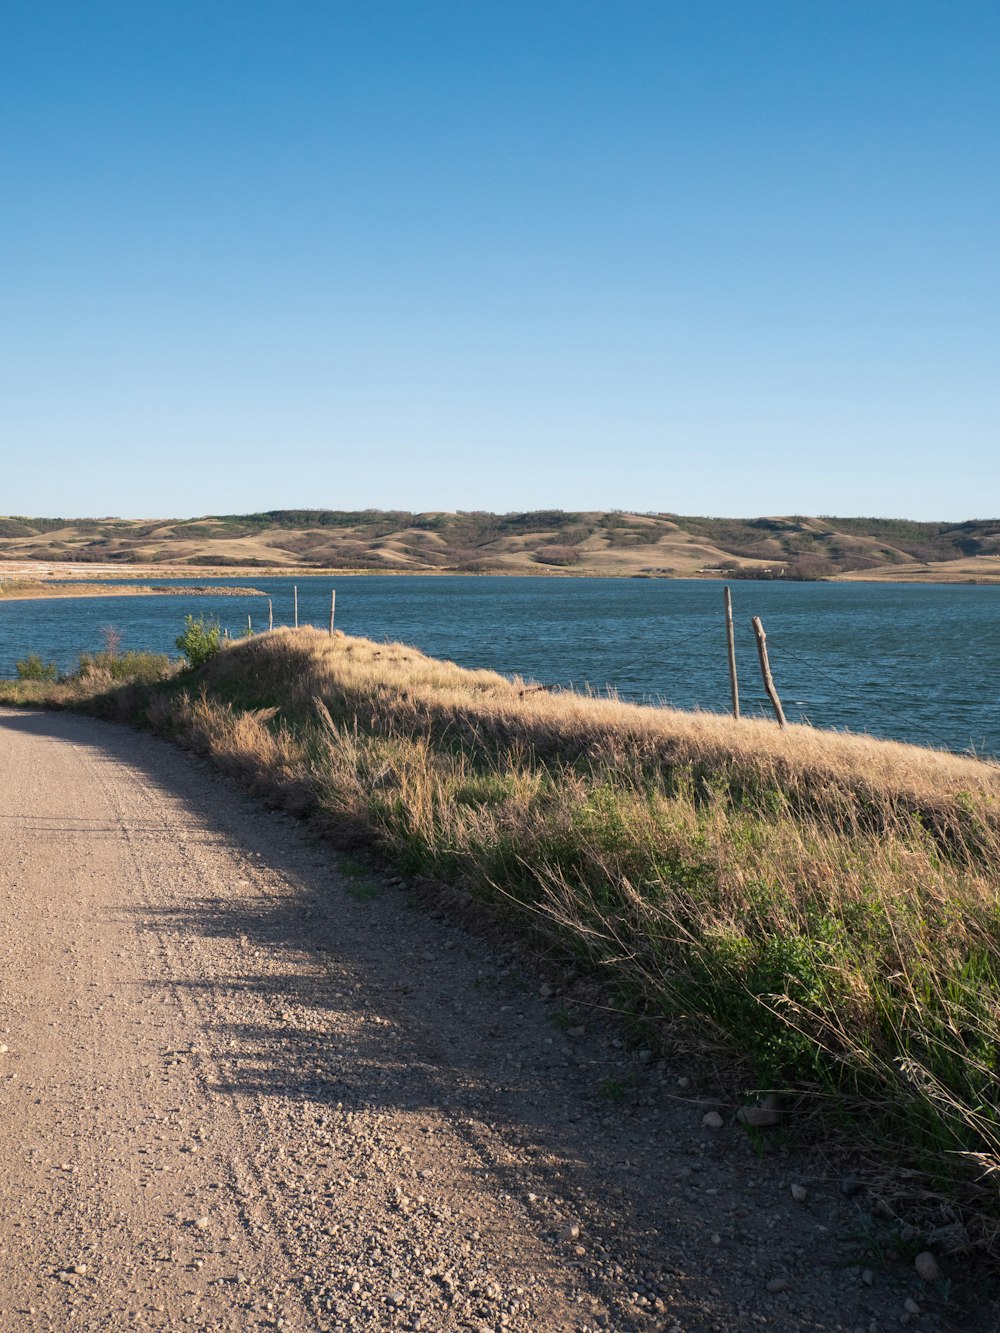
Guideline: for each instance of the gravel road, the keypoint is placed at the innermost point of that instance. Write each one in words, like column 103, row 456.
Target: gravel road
column 243, row 1086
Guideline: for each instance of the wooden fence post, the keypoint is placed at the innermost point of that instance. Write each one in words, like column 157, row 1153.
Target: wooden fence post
column 270, row 614
column 333, row 607
column 734, row 688
column 295, row 597
column 765, row 671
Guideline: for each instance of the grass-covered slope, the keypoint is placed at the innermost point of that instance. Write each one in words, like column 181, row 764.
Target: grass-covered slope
column 823, row 907
column 542, row 541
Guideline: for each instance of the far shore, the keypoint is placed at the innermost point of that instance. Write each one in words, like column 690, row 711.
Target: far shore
column 51, row 580
column 58, row 591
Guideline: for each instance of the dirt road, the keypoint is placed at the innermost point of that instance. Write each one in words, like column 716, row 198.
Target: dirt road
column 244, row 1086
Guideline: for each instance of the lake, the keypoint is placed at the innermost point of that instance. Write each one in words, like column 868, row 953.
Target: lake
column 914, row 662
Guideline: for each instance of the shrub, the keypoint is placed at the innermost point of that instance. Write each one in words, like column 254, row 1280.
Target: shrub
column 557, row 555
column 33, row 668
column 200, row 641
column 130, row 666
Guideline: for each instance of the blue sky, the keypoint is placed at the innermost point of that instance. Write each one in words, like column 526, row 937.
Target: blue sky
column 726, row 258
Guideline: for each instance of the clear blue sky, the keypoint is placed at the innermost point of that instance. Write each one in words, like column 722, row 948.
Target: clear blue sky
column 727, row 258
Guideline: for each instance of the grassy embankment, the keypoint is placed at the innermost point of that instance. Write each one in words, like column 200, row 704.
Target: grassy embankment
column 822, row 907
column 30, row 589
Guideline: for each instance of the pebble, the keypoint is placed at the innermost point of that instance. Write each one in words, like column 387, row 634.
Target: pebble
column 927, row 1266
column 201, row 1223
column 396, row 1297
column 569, row 1232
column 800, row 1193
column 850, row 1185
column 760, row 1117
column 712, row 1120
column 777, row 1284
column 910, row 1306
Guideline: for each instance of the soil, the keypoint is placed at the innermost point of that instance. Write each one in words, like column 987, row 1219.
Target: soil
column 247, row 1083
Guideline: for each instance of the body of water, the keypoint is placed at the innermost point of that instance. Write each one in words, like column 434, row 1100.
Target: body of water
column 912, row 662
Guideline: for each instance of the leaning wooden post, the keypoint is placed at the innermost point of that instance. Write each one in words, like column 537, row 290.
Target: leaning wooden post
column 333, row 607
column 295, row 597
column 270, row 614
column 734, row 688
column 765, row 671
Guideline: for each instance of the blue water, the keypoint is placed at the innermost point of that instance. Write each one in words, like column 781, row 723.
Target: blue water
column 913, row 662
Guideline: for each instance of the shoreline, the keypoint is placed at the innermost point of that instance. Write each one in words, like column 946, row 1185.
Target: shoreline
column 92, row 581
column 85, row 590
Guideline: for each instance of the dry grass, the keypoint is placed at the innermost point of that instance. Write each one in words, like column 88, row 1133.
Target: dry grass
column 824, row 905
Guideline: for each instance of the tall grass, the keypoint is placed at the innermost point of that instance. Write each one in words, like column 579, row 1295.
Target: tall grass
column 824, row 907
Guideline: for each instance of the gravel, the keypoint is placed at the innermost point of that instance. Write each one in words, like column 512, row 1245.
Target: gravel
column 394, row 1127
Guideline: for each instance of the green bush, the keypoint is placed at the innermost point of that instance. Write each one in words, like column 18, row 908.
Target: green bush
column 130, row 666
column 200, row 641
column 33, row 668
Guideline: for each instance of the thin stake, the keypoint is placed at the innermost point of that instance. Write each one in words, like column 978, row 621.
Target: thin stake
column 270, row 614
column 295, row 593
column 249, row 625
column 765, row 671
column 734, row 688
column 333, row 607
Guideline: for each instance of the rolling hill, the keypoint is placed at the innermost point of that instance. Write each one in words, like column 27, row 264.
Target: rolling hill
column 542, row 541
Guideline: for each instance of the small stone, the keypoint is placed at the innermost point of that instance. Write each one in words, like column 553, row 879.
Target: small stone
column 927, row 1266
column 868, row 1277
column 712, row 1120
column 800, row 1193
column 546, row 991
column 850, row 1185
column 645, row 1055
column 396, row 1298
column 576, row 1032
column 684, row 1081
column 3, row 1049
column 910, row 1306
column 80, row 1269
column 201, row 1223
column 777, row 1284
column 569, row 1232
column 762, row 1116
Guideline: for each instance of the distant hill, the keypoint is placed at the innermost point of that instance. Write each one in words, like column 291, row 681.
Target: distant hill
column 549, row 540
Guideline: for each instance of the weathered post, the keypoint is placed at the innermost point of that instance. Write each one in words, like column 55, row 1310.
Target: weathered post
column 295, row 598
column 765, row 671
column 333, row 607
column 270, row 614
column 734, row 688
column 249, row 625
